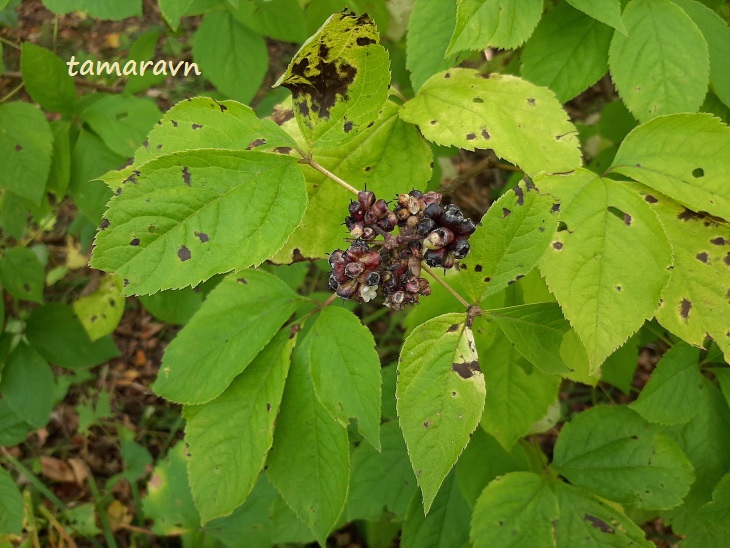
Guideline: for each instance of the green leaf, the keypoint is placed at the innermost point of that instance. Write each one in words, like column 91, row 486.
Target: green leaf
column 57, row 334
column 346, row 370
column 381, row 480
column 309, row 461
column 99, row 9
column 440, row 397
column 590, row 266
column 536, row 331
column 483, row 460
column 173, row 11
column 674, row 391
column 142, row 50
column 430, row 27
column 229, row 437
column 236, row 321
column 121, row 121
column 193, row 214
column 21, row 274
column 339, row 80
column 27, row 385
column 11, row 505
column 445, row 526
column 568, row 52
column 514, row 508
column 710, row 525
column 46, row 79
column 685, row 156
column 606, row 11
column 174, row 306
column 90, row 157
column 521, row 122
column 169, row 502
column 101, row 312
column 278, row 19
column 60, row 174
column 13, row 429
column 493, row 23
column 717, row 35
column 627, row 462
column 662, row 66
column 25, row 150
column 201, row 122
column 519, row 394
column 383, row 157
column 620, row 366
column 694, row 303
column 514, row 234
column 232, row 57
column 583, row 516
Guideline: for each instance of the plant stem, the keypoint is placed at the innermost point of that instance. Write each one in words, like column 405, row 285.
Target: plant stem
column 395, row 91
column 12, row 92
column 440, row 280
column 9, row 43
column 308, row 160
column 78, row 81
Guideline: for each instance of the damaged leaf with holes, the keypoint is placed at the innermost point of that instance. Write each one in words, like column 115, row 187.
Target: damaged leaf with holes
column 695, row 303
column 339, row 79
column 184, row 217
column 591, row 265
column 514, row 234
column 440, row 397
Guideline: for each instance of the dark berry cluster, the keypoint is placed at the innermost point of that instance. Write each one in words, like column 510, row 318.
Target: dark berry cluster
column 427, row 231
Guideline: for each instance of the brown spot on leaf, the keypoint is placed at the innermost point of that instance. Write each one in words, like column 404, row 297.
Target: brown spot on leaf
column 478, row 268
column 520, row 195
column 126, row 282
column 447, row 75
column 174, row 123
column 319, row 86
column 684, row 307
column 243, row 281
column 256, row 143
column 487, row 280
column 698, row 172
column 26, row 288
column 485, row 134
column 268, row 407
column 651, row 199
column 453, row 328
column 18, row 148
column 134, row 242
column 118, row 191
column 702, row 257
column 558, row 245
column 159, row 147
column 294, row 329
column 727, row 258
column 282, row 150
column 555, row 208
column 598, row 523
column 531, row 101
column 184, row 253
column 202, row 236
column 146, row 143
column 364, row 41
column 433, row 122
column 505, row 212
column 618, row 288
column 718, row 241
column 281, row 116
column 186, row 175
column 466, row 370
column 688, row 215
column 478, row 100
column 426, row 424
column 470, row 136
column 347, row 128
column 104, row 224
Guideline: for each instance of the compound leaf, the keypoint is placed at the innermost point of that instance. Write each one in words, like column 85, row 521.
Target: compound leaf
column 662, row 66
column 592, row 267
column 346, row 370
column 629, row 462
column 26, row 142
column 385, row 157
column 684, row 156
column 521, row 122
column 514, row 508
column 239, row 317
column 339, row 79
column 229, row 437
column 440, row 397
column 568, row 52
column 674, row 392
column 309, row 461
column 514, row 233
column 493, row 23
column 184, row 217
